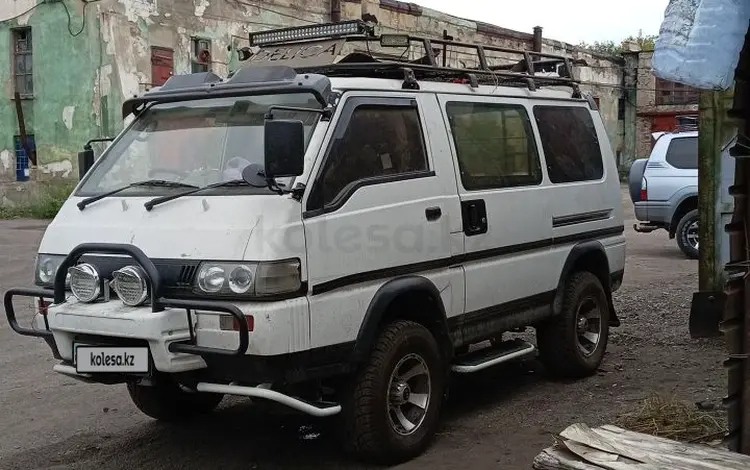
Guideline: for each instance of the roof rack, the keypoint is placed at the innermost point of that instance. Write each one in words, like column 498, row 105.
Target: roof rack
column 318, row 49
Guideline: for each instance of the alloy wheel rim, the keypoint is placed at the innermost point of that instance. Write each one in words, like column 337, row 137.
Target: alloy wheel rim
column 588, row 326
column 692, row 234
column 409, row 394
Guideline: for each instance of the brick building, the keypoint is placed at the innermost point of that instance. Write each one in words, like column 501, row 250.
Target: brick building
column 651, row 104
column 73, row 63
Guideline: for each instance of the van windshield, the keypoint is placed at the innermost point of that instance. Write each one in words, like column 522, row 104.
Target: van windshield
column 198, row 142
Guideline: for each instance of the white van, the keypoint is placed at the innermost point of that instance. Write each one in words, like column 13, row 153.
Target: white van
column 333, row 232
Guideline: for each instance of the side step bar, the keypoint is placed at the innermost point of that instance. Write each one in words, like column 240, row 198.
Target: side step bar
column 329, row 409
column 492, row 356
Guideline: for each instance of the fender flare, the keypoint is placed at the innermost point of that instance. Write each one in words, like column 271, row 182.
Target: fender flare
column 381, row 301
column 578, row 251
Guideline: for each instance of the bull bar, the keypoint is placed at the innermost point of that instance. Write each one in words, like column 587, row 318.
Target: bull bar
column 158, row 303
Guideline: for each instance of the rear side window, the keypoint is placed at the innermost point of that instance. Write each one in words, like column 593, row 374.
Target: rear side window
column 683, row 153
column 494, row 145
column 379, row 142
column 570, row 143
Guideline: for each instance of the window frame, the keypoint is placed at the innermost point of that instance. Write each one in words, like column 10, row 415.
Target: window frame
column 314, row 205
column 679, row 94
column 28, row 52
column 530, row 135
column 195, row 64
column 603, row 176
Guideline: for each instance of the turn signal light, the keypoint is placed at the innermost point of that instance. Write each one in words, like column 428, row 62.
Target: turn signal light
column 229, row 323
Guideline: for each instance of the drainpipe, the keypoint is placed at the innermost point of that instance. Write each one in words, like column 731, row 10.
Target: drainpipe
column 335, row 11
column 537, row 43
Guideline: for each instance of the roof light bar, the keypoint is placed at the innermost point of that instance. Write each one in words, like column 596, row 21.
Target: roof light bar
column 302, row 33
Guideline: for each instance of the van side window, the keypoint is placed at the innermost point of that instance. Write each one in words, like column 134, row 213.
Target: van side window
column 379, row 141
column 494, row 145
column 683, row 153
column 570, row 143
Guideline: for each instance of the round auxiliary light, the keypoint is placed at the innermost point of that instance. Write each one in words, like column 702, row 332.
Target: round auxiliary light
column 130, row 285
column 85, row 282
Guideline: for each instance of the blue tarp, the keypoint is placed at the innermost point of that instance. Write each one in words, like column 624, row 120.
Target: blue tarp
column 700, row 42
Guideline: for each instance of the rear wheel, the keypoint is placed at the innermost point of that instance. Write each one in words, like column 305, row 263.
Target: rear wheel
column 687, row 234
column 392, row 412
column 165, row 400
column 573, row 343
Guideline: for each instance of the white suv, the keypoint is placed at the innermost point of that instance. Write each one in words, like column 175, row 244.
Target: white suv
column 334, row 238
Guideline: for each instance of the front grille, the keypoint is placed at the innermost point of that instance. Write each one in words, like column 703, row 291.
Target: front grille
column 187, row 275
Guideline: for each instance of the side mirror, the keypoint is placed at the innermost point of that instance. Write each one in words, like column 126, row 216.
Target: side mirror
column 284, row 148
column 85, row 161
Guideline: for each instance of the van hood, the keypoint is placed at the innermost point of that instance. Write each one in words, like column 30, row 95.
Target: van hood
column 192, row 227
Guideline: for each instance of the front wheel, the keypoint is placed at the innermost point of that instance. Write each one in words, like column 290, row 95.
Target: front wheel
column 392, row 412
column 165, row 400
column 687, row 234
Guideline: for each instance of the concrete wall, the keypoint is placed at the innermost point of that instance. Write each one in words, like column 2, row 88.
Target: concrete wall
column 80, row 82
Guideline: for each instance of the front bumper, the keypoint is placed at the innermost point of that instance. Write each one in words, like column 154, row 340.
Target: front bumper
column 168, row 326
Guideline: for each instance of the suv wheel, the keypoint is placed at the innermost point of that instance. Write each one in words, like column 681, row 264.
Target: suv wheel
column 392, row 412
column 687, row 234
column 165, row 400
column 572, row 344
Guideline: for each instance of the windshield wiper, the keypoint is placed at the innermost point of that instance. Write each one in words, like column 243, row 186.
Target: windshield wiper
column 222, row 184
column 156, row 183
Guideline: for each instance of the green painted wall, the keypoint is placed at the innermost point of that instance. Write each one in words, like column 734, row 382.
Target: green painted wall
column 64, row 74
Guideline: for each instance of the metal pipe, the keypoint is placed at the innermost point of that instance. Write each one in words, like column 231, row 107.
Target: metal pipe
column 537, row 42
column 257, row 392
column 335, row 11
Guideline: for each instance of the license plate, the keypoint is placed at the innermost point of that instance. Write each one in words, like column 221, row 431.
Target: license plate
column 92, row 359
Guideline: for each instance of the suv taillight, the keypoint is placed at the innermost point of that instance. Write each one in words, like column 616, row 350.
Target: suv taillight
column 644, row 190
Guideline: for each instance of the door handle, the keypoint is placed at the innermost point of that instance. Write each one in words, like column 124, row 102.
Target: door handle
column 433, row 213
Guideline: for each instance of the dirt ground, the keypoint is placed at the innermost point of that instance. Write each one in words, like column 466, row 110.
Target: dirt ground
column 497, row 420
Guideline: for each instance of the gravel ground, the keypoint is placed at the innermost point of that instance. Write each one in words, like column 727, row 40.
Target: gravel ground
column 497, row 419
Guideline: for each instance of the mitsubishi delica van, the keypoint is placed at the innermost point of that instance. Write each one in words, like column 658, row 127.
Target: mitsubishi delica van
column 342, row 226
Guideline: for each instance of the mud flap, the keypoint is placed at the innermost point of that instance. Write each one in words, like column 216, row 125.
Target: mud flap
column 706, row 312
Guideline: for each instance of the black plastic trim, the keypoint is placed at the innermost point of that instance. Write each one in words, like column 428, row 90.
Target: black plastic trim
column 581, row 218
column 460, row 259
column 388, row 292
column 514, row 306
column 355, row 186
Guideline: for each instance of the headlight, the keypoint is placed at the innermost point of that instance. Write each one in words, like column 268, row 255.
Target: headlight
column 130, row 285
column 46, row 268
column 85, row 282
column 249, row 279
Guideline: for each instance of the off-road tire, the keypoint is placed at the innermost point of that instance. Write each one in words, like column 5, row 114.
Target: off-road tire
column 366, row 431
column 557, row 338
column 681, row 234
column 166, row 401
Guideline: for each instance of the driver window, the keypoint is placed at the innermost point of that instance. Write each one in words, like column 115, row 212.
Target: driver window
column 378, row 141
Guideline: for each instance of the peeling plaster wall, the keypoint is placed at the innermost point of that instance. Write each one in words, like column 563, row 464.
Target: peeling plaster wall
column 61, row 113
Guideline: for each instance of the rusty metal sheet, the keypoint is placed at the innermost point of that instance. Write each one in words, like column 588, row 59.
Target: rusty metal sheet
column 309, row 54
